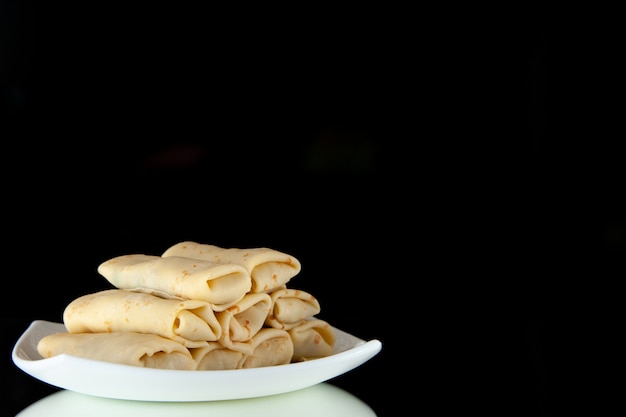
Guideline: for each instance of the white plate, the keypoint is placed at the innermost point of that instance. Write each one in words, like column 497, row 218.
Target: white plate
column 111, row 380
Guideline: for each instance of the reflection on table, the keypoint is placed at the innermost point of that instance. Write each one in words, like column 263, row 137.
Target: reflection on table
column 319, row 400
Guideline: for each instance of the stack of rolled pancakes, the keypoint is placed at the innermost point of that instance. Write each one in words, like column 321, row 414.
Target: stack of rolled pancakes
column 196, row 307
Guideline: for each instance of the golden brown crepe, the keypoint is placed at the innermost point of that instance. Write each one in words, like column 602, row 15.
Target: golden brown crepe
column 179, row 277
column 314, row 338
column 190, row 322
column 242, row 321
column 197, row 306
column 216, row 356
column 127, row 348
column 290, row 307
column 268, row 268
column 270, row 347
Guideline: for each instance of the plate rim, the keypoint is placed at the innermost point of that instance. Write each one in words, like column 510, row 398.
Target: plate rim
column 325, row 368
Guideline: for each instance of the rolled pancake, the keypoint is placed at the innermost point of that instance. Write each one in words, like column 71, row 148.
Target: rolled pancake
column 242, row 321
column 216, row 356
column 270, row 347
column 190, row 322
column 178, row 277
column 127, row 348
column 268, row 268
column 290, row 307
column 312, row 339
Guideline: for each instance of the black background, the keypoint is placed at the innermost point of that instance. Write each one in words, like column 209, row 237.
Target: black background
column 401, row 156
